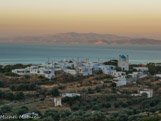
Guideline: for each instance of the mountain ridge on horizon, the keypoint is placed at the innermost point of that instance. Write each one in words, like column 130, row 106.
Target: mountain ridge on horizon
column 83, row 38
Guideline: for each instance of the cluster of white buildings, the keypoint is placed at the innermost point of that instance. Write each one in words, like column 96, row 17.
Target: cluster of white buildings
column 45, row 70
column 78, row 68
column 71, row 67
column 84, row 68
column 48, row 69
column 139, row 73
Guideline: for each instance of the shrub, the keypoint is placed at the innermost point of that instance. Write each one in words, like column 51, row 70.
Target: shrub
column 64, row 113
column 107, row 105
column 19, row 96
column 1, row 84
column 9, row 96
column 116, row 105
column 152, row 118
column 22, row 110
column 6, row 109
column 75, row 106
column 90, row 91
column 10, row 74
column 53, row 113
column 55, row 92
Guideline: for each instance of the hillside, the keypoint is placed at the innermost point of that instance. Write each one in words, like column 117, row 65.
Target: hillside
column 84, row 38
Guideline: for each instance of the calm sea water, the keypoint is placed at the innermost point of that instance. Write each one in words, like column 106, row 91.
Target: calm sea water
column 39, row 53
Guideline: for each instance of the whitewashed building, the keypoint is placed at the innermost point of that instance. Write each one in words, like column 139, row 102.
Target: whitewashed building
column 84, row 70
column 107, row 69
column 20, row 71
column 71, row 71
column 158, row 75
column 139, row 74
column 119, row 74
column 70, row 94
column 141, row 69
column 157, row 64
column 120, row 81
column 123, row 62
column 46, row 71
column 32, row 115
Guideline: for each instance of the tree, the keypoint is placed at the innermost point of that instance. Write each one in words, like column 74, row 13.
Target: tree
column 116, row 104
column 90, row 91
column 107, row 105
column 27, row 77
column 49, row 118
column 122, row 117
column 2, row 94
column 152, row 118
column 124, row 104
column 22, row 110
column 6, row 109
column 97, row 107
column 111, row 62
column 96, row 116
column 53, row 113
column 113, row 84
column 10, row 74
column 153, row 69
column 1, row 84
column 19, row 96
column 10, row 96
column 75, row 106
column 55, row 92
column 13, row 88
column 64, row 113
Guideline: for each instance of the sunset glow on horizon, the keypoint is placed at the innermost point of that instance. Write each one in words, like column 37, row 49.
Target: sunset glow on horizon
column 134, row 18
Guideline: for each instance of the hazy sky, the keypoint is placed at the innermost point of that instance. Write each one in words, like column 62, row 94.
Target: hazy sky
column 136, row 18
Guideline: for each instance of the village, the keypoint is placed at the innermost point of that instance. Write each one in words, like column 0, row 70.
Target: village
column 85, row 68
column 69, row 85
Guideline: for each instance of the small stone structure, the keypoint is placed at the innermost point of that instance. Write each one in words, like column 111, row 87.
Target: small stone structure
column 57, row 101
column 149, row 92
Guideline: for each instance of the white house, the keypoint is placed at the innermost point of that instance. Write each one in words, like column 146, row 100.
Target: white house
column 94, row 65
column 70, row 94
column 107, row 69
column 48, row 72
column 143, row 75
column 84, row 70
column 158, row 75
column 20, row 71
column 142, row 69
column 120, row 81
column 118, row 74
column 71, row 71
column 138, row 75
column 123, row 62
column 157, row 64
column 32, row 115
column 133, row 74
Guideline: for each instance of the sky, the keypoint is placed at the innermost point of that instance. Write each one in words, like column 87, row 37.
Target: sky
column 133, row 18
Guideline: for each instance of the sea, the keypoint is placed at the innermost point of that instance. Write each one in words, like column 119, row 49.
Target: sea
column 15, row 53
